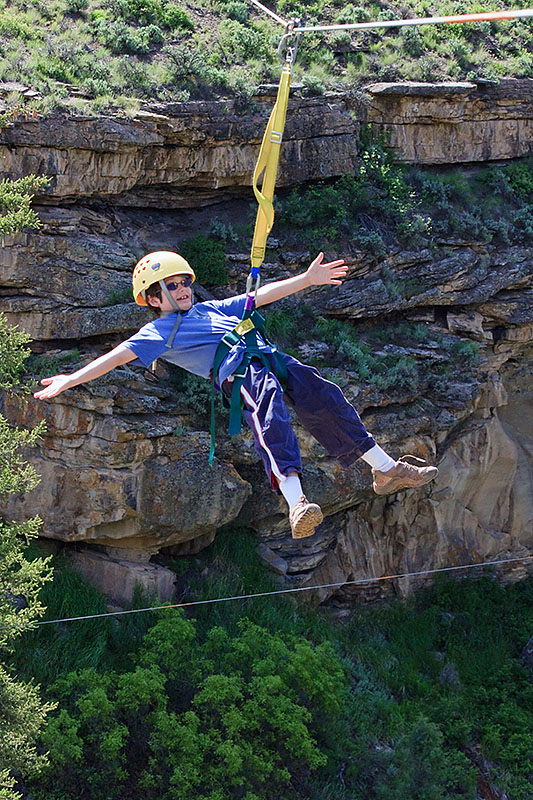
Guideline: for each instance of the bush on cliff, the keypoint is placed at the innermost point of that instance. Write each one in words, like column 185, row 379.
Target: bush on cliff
column 231, row 47
column 207, row 254
column 22, row 713
column 16, row 213
column 385, row 204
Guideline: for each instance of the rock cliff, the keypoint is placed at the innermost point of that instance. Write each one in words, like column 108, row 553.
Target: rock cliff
column 123, row 464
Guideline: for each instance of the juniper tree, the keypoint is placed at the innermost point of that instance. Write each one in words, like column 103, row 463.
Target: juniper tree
column 16, row 212
column 22, row 713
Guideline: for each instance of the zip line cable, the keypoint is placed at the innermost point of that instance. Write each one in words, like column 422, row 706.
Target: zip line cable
column 358, row 582
column 489, row 16
column 270, row 13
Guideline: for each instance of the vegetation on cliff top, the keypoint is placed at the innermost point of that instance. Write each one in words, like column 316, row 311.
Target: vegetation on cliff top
column 415, row 699
column 97, row 53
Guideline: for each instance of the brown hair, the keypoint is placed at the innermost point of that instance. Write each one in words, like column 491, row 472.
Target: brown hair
column 154, row 291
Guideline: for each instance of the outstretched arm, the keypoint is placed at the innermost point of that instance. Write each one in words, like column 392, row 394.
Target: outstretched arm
column 317, row 274
column 58, row 383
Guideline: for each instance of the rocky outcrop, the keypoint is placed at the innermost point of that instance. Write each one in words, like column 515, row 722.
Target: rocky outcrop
column 177, row 155
column 184, row 155
column 124, row 469
column 448, row 123
column 123, row 463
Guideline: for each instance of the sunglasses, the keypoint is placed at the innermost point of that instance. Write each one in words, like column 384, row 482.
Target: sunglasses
column 176, row 284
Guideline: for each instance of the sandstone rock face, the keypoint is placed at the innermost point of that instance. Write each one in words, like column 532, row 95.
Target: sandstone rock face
column 118, row 578
column 123, row 463
column 185, row 155
column 107, row 482
column 448, row 123
column 182, row 157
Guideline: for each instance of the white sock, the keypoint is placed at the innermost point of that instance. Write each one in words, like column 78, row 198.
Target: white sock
column 291, row 489
column 378, row 459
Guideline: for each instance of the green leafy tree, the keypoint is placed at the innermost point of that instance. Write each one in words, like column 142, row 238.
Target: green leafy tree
column 22, row 713
column 232, row 715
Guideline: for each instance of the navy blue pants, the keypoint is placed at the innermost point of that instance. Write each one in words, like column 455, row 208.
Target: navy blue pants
column 320, row 406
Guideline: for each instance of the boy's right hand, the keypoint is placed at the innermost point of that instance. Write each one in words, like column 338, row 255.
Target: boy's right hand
column 54, row 385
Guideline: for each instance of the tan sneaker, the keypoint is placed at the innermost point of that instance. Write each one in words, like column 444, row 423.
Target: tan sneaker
column 403, row 476
column 304, row 517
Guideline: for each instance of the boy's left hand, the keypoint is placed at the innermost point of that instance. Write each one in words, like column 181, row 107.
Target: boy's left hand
column 320, row 274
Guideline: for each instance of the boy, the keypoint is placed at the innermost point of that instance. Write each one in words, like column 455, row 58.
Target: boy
column 188, row 334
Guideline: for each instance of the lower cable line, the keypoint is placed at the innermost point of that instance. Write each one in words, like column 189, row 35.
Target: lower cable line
column 358, row 582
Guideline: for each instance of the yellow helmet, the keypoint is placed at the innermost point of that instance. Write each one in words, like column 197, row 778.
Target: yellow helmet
column 156, row 267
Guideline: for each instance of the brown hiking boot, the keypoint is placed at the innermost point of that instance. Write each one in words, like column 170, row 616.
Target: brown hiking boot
column 403, row 476
column 304, row 517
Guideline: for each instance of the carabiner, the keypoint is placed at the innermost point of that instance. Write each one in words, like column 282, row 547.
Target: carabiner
column 288, row 54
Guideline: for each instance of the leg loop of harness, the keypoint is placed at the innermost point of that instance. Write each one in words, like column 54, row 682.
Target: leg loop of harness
column 247, row 329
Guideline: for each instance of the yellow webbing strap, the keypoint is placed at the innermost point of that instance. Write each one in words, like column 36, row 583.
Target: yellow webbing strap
column 268, row 163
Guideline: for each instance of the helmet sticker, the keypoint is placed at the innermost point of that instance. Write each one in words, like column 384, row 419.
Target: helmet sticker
column 156, row 266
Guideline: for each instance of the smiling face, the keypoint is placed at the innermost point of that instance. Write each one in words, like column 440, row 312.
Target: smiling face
column 182, row 294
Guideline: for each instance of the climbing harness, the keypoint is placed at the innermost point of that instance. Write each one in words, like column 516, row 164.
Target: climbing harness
column 252, row 323
column 246, row 331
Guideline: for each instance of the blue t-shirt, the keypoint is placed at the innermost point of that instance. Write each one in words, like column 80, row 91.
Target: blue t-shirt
column 196, row 342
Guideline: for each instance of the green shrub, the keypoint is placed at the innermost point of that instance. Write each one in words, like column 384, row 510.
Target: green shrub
column 120, row 37
column 369, row 208
column 371, row 241
column 225, row 232
column 207, row 256
column 176, row 18
column 14, row 353
column 422, row 681
column 240, row 41
column 16, row 213
column 152, row 12
column 236, row 9
column 119, row 296
column 522, row 220
column 77, row 6
column 351, row 14
column 423, row 769
column 15, row 24
column 40, row 366
column 189, row 69
column 413, row 42
column 229, row 717
column 314, row 84
column 194, row 393
column 520, row 176
column 22, row 712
